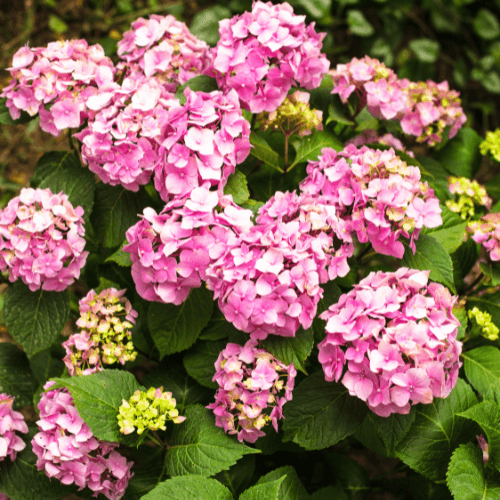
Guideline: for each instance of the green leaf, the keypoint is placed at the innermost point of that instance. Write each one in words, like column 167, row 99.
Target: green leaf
column 425, row 49
column 486, row 24
column 237, row 186
column 120, row 257
column 115, row 210
column 318, row 9
column 6, row 119
column 98, row 397
column 321, row 413
column 488, row 303
column 482, row 367
column 436, row 431
column 61, row 171
column 206, row 23
column 351, row 475
column 173, row 379
column 291, row 349
column 436, row 176
column 176, row 328
column 309, row 147
column 487, row 415
column 491, row 82
column 461, row 156
column 492, row 270
column 291, row 487
column 367, row 434
column 262, row 151
column 189, row 488
column 200, row 83
column 466, row 477
column 199, row 362
column 57, row 25
column 35, row 319
column 44, row 366
column 16, row 377
column 148, row 471
column 337, row 112
column 463, row 259
column 199, row 447
column 239, row 476
column 431, row 256
column 393, row 428
column 267, row 491
column 358, row 24
column 451, row 233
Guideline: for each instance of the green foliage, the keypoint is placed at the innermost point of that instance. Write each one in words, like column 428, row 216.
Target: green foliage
column 309, row 147
column 199, row 362
column 205, row 24
column 237, row 186
column 482, row 367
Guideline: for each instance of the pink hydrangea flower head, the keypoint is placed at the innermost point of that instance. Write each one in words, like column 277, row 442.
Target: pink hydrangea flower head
column 371, row 137
column 486, row 232
column 202, row 142
column 253, row 387
column 268, row 281
column 397, row 335
column 105, row 321
column 377, row 195
column 172, row 250
column 263, row 53
column 67, row 450
column 10, row 422
column 163, row 47
column 41, row 240
column 66, row 74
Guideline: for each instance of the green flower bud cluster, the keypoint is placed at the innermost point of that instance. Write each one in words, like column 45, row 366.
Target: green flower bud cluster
column 294, row 116
column 491, row 144
column 468, row 195
column 148, row 410
column 482, row 324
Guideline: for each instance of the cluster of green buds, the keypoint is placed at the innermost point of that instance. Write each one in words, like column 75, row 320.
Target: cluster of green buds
column 482, row 324
column 294, row 116
column 148, row 410
column 468, row 195
column 491, row 144
column 106, row 320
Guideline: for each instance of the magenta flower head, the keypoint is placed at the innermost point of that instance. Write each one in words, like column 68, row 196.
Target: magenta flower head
column 486, row 232
column 171, row 251
column 202, row 142
column 253, row 387
column 41, row 240
column 398, row 336
column 163, row 47
column 263, row 53
column 122, row 139
column 268, row 281
column 65, row 74
column 67, row 450
column 378, row 196
column 10, row 422
column 105, row 320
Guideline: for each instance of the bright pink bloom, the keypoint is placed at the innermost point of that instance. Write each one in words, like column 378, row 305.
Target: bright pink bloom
column 10, row 422
column 486, row 232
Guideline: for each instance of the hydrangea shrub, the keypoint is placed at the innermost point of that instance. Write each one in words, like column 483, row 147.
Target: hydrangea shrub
column 257, row 271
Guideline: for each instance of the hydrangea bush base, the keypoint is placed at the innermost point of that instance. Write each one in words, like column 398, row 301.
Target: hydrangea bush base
column 257, row 270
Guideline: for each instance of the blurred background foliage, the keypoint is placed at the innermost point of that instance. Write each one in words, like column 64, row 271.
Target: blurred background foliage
column 454, row 40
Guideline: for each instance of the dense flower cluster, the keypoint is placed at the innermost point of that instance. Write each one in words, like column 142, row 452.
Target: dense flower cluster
column 482, row 324
column 486, row 231
column 253, row 387
column 468, row 194
column 371, row 137
column 164, row 47
column 294, row 116
column 171, row 251
column 148, row 410
column 64, row 74
column 121, row 141
column 376, row 194
column 397, row 334
column 203, row 141
column 491, row 144
column 268, row 281
column 41, row 240
column 10, row 422
column 67, row 450
column 105, row 338
column 263, row 53
column 423, row 108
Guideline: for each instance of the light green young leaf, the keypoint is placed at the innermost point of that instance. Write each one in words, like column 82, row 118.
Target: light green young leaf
column 176, row 328
column 120, row 257
column 482, row 367
column 436, row 431
column 291, row 488
column 98, row 397
column 358, row 23
column 486, row 24
column 321, row 413
column 237, row 186
column 489, row 303
column 267, row 491
column 35, row 319
column 199, row 447
column 309, row 147
column 192, row 487
column 425, row 49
